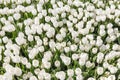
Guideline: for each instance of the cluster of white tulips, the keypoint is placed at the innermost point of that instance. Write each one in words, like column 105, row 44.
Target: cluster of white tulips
column 59, row 39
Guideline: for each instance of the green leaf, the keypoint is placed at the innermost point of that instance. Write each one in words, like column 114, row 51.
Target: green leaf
column 119, row 40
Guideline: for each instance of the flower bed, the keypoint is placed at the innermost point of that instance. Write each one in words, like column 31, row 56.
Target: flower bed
column 59, row 40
